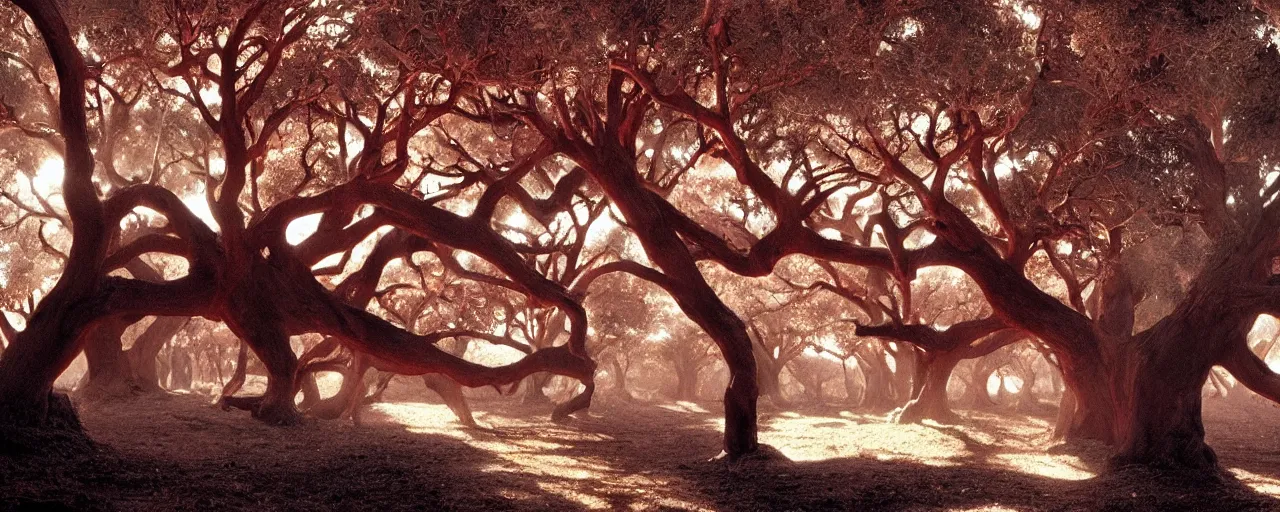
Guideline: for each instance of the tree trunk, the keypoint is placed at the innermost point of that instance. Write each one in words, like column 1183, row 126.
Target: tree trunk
column 620, row 379
column 142, row 355
column 613, row 166
column 877, row 386
column 975, row 393
column 52, row 337
column 768, row 376
column 109, row 375
column 930, row 401
column 238, row 375
column 451, row 393
column 1160, row 422
column 179, row 368
column 686, row 382
column 535, row 394
column 257, row 319
column 1091, row 385
column 853, row 393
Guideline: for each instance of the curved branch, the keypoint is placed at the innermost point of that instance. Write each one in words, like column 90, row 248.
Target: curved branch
column 1251, row 371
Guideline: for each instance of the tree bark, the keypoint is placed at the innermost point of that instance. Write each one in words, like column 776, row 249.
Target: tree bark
column 930, row 401
column 52, row 337
column 109, row 375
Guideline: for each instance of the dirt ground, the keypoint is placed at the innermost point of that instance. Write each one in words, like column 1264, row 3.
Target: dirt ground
column 177, row 452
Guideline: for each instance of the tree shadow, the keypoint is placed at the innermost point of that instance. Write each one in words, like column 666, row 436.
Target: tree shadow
column 185, row 455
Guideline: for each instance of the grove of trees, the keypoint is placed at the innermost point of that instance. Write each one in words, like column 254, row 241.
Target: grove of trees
column 870, row 194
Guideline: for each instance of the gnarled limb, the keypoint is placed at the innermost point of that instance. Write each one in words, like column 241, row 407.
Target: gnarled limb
column 1252, row 371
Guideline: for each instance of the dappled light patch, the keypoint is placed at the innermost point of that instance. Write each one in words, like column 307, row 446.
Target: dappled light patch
column 1062, row 467
column 528, row 447
column 684, row 406
column 1269, row 485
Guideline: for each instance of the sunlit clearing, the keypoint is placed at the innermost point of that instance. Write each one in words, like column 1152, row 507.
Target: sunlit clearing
column 48, row 178
column 810, row 438
column 1014, row 443
column 199, row 207
column 301, row 228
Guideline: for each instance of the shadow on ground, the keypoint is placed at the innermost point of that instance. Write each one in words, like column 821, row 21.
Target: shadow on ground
column 178, row 453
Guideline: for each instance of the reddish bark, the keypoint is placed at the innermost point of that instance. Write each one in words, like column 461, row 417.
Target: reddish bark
column 109, row 374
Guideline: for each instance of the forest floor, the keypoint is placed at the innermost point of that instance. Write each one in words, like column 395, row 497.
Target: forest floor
column 177, row 452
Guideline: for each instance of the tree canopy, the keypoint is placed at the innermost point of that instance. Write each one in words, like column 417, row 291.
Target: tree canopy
column 793, row 175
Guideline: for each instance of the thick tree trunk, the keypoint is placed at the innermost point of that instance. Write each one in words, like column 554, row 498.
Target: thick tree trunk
column 930, row 401
column 53, row 335
column 1160, row 422
column 902, row 381
column 109, row 375
column 257, row 319
column 877, row 386
column 1090, row 382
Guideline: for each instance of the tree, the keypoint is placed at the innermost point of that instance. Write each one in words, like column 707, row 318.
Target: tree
column 247, row 275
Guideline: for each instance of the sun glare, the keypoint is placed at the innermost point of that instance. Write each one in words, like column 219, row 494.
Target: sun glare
column 199, row 206
column 48, row 178
column 301, row 228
